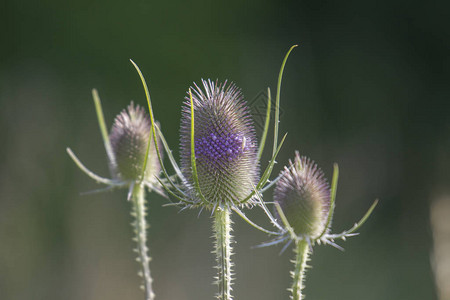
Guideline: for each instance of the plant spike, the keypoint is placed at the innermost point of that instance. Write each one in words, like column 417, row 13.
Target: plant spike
column 91, row 174
column 357, row 225
column 285, row 222
column 170, row 155
column 277, row 101
column 267, row 212
column 102, row 125
column 266, row 125
column 334, row 183
column 147, row 95
column 152, row 120
column 244, row 217
column 193, row 162
column 266, row 173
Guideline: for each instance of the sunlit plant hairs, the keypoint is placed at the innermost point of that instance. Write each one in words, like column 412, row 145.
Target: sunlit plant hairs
column 219, row 172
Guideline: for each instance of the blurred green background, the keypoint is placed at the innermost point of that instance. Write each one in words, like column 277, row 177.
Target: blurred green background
column 367, row 88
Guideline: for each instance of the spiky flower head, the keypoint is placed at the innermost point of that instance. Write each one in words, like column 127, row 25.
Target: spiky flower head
column 225, row 144
column 303, row 194
column 129, row 139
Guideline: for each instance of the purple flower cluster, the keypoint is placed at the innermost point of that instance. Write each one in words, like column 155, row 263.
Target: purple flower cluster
column 218, row 146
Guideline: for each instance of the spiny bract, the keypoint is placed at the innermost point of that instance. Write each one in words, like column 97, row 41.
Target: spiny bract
column 225, row 144
column 303, row 194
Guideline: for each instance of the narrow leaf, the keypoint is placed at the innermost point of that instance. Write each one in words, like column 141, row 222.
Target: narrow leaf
column 91, row 174
column 193, row 162
column 332, row 199
column 102, row 125
column 266, row 125
column 277, row 101
column 152, row 120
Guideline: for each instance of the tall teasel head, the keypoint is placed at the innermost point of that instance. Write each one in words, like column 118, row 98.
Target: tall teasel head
column 224, row 143
column 129, row 138
column 303, row 194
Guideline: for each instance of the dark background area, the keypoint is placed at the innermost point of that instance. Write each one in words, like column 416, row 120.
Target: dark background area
column 368, row 88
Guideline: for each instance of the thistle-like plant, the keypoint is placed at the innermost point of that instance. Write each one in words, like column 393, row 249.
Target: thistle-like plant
column 222, row 167
column 304, row 206
column 219, row 172
column 219, row 161
column 133, row 163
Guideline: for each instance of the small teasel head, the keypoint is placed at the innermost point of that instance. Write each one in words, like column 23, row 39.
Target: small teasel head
column 129, row 138
column 224, row 142
column 303, row 195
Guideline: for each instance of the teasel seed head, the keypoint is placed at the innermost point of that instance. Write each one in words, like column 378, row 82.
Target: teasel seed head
column 129, row 139
column 303, row 194
column 225, row 144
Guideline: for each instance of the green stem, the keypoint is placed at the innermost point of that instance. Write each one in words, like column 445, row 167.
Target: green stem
column 140, row 230
column 223, row 251
column 298, row 275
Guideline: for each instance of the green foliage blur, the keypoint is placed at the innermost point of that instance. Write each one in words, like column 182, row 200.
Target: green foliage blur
column 368, row 88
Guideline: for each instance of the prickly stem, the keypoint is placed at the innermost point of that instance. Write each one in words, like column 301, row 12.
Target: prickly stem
column 301, row 251
column 140, row 230
column 223, row 251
